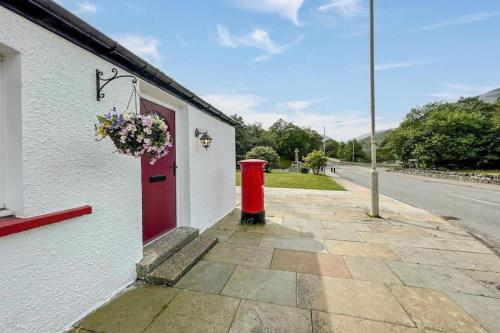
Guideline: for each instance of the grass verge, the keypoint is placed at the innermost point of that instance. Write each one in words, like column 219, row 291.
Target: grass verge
column 297, row 180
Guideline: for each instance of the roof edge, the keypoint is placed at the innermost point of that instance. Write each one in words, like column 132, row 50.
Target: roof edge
column 60, row 21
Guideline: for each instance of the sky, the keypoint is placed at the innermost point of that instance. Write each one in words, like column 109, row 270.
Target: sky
column 307, row 61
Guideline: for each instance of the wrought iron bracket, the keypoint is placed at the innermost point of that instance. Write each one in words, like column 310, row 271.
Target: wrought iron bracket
column 103, row 82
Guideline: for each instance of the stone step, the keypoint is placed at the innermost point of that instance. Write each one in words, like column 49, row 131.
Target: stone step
column 163, row 248
column 172, row 269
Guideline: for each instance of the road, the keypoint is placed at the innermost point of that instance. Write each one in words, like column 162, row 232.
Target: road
column 477, row 209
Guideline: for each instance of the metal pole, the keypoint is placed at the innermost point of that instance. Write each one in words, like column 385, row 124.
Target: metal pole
column 374, row 210
column 324, row 145
column 353, row 150
column 324, row 139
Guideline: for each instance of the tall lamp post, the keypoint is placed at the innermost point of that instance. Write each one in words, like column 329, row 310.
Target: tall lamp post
column 374, row 209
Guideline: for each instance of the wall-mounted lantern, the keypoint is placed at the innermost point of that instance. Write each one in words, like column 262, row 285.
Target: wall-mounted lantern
column 205, row 139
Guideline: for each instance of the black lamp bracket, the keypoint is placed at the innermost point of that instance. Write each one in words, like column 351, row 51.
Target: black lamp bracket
column 199, row 131
column 103, row 82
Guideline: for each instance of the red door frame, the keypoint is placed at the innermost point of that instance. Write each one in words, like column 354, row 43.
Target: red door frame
column 159, row 211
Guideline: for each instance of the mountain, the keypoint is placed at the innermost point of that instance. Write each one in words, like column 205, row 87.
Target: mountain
column 365, row 139
column 490, row 96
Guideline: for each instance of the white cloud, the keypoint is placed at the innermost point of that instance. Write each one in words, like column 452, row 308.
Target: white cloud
column 299, row 105
column 86, row 7
column 143, row 46
column 453, row 91
column 288, row 9
column 346, row 8
column 394, row 65
column 234, row 103
column 342, row 125
column 258, row 38
column 461, row 20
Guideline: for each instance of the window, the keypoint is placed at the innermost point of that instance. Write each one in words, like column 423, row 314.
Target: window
column 10, row 131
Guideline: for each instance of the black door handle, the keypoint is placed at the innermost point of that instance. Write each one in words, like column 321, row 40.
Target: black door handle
column 174, row 167
column 158, row 178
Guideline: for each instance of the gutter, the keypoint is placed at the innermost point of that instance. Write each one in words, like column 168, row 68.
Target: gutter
column 58, row 20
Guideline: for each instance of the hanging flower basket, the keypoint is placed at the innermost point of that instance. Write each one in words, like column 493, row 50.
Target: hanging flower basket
column 136, row 135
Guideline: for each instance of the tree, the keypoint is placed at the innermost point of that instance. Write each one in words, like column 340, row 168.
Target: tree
column 316, row 160
column 264, row 153
column 241, row 137
column 346, row 154
column 292, row 137
column 463, row 134
column 332, row 148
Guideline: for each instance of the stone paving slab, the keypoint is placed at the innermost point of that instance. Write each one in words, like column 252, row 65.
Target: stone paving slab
column 332, row 323
column 465, row 260
column 175, row 323
column 264, row 317
column 278, row 287
column 293, row 243
column 221, row 235
column 302, row 223
column 275, row 229
column 131, row 311
column 488, row 280
column 245, row 238
column 437, row 277
column 331, row 233
column 241, row 255
column 486, row 310
column 370, row 269
column 364, row 299
column 309, row 262
column 359, row 249
column 207, row 276
column 355, row 226
column 203, row 309
column 432, row 309
column 273, row 277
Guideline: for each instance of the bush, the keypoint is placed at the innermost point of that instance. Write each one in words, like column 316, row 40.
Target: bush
column 316, row 160
column 264, row 153
column 304, row 170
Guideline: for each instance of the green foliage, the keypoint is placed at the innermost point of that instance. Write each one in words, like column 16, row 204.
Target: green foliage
column 264, row 153
column 284, row 163
column 332, row 148
column 282, row 136
column 379, row 137
column 463, row 134
column 289, row 137
column 316, row 160
column 345, row 151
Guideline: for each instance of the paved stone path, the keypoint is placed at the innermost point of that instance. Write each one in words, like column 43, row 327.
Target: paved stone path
column 322, row 265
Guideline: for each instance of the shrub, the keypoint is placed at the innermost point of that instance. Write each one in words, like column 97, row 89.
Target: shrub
column 304, row 170
column 265, row 153
column 316, row 160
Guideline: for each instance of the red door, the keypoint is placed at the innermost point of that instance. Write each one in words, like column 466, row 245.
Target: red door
column 158, row 183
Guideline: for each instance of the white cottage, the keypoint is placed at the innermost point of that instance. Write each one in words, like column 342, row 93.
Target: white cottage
column 76, row 215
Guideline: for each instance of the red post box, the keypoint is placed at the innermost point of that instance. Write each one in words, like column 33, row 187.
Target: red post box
column 252, row 191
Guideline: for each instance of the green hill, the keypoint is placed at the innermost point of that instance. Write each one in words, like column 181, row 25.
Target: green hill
column 365, row 139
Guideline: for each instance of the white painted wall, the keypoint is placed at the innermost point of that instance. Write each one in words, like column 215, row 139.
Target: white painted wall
column 53, row 275
column 212, row 178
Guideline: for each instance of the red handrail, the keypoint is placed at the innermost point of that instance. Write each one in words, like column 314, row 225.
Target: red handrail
column 14, row 225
